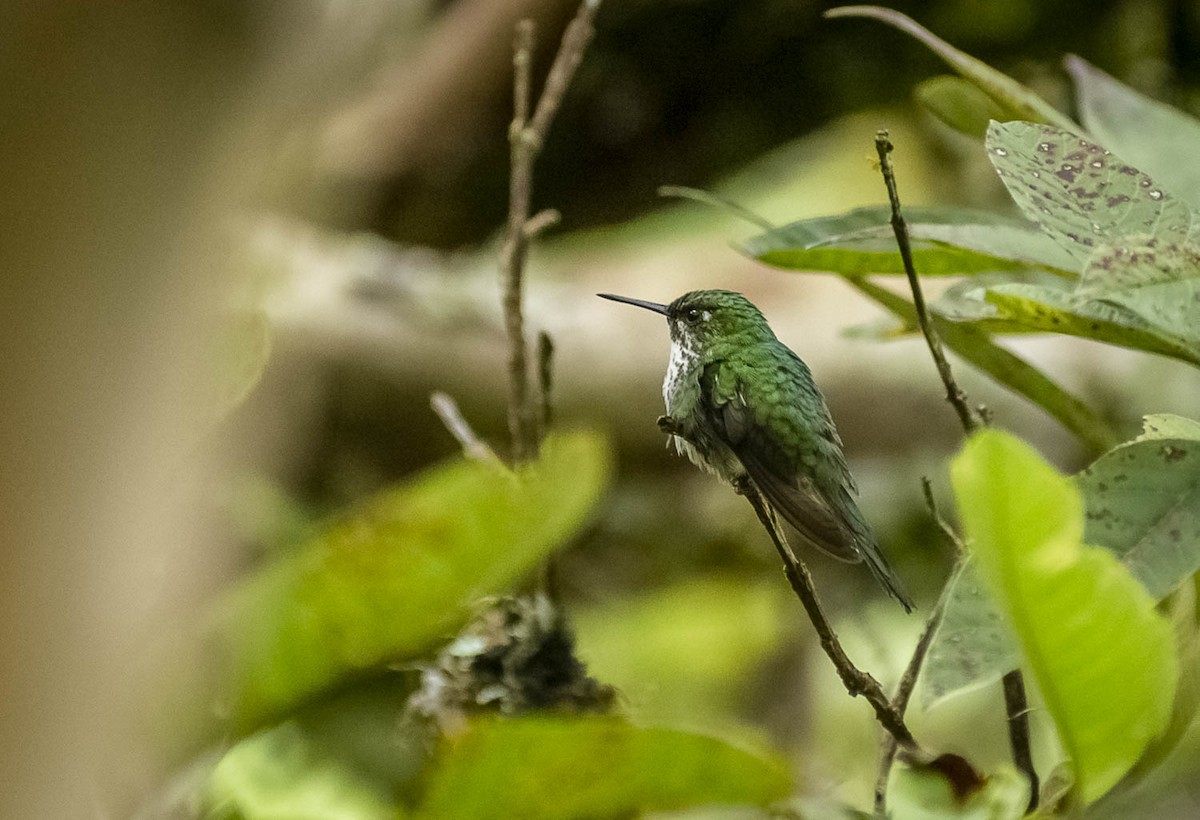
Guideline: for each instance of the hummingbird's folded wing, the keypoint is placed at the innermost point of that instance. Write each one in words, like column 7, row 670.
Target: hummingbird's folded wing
column 773, row 468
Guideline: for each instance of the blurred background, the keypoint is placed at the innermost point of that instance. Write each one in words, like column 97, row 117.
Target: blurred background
column 325, row 180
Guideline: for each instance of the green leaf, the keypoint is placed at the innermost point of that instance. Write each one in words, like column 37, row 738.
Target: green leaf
column 1167, row 425
column 1143, row 503
column 1019, row 102
column 1155, row 137
column 1081, row 194
column 1182, row 611
column 919, row 792
column 976, row 347
column 560, row 769
column 705, row 636
column 945, row 241
column 280, row 773
column 1103, row 658
column 1040, row 308
column 389, row 578
column 959, row 104
column 1157, row 281
column 974, row 645
column 1136, row 502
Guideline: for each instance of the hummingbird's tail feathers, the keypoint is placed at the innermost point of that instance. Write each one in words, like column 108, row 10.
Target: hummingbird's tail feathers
column 886, row 576
column 841, row 534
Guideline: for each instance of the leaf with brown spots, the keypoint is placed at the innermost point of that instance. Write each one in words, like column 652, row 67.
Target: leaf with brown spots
column 1157, row 280
column 1143, row 503
column 1082, row 194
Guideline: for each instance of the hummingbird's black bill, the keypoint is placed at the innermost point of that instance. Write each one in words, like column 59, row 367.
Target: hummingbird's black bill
column 654, row 306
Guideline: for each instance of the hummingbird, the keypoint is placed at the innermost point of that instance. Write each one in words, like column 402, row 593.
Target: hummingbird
column 742, row 405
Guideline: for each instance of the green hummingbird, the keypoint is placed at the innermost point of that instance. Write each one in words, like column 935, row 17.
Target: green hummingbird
column 742, row 405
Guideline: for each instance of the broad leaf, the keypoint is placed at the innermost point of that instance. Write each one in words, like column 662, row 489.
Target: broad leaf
column 1137, row 502
column 1155, row 137
column 1103, row 658
column 561, row 769
column 1182, row 610
column 974, row 645
column 386, row 580
column 945, row 241
column 1039, row 308
column 1143, row 503
column 1156, row 280
column 280, row 773
column 1080, row 193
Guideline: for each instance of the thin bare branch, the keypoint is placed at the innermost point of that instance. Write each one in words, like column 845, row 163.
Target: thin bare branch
column 856, row 681
column 526, row 136
column 954, row 394
column 473, row 446
column 540, row 222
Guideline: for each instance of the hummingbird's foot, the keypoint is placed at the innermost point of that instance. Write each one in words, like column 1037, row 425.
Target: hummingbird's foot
column 742, row 485
column 669, row 426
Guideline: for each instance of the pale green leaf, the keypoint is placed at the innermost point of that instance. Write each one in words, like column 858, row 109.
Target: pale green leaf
column 1040, row 308
column 1143, row 503
column 974, row 645
column 945, row 241
column 561, row 769
column 1080, row 193
column 390, row 577
column 279, row 774
column 1182, row 610
column 1155, row 137
column 1156, row 280
column 1168, row 425
column 1135, row 501
column 1018, row 101
column 1103, row 658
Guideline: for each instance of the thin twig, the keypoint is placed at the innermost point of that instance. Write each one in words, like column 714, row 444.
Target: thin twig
column 856, row 681
column 954, row 393
column 473, row 446
column 960, row 548
column 908, row 681
column 526, row 137
column 540, row 222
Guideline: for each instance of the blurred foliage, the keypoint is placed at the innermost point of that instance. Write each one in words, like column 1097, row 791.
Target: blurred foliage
column 306, row 662
column 597, row 767
column 388, row 578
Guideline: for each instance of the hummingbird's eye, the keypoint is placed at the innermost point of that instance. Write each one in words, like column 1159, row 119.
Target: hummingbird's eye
column 692, row 316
